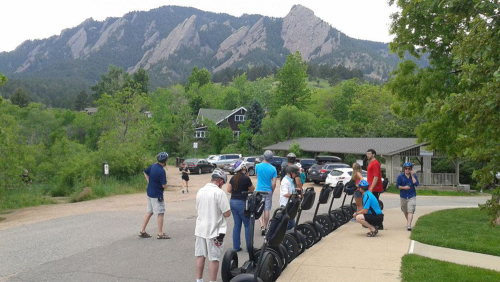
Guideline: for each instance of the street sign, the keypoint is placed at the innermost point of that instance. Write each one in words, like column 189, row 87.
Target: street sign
column 195, row 145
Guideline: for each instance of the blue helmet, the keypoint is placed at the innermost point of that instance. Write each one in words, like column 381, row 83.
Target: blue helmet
column 363, row 183
column 162, row 157
column 408, row 164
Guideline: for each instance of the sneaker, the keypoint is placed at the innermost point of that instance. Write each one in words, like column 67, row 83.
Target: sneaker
column 353, row 219
column 408, row 227
column 262, row 231
column 381, row 227
column 182, row 191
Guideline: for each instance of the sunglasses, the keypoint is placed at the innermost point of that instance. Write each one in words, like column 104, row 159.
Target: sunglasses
column 407, row 168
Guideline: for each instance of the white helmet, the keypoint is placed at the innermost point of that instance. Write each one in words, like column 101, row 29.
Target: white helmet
column 218, row 173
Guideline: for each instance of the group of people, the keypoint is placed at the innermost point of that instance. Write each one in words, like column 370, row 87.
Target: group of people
column 213, row 207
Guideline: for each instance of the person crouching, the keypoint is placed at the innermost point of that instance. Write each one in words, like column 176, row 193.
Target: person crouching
column 371, row 215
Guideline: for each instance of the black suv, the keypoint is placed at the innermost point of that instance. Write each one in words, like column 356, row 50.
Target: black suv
column 275, row 161
column 317, row 173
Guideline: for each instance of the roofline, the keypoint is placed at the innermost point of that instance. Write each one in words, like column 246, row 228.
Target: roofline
column 408, row 148
column 231, row 114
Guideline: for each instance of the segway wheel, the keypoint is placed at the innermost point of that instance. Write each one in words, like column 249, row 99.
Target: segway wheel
column 229, row 262
column 309, row 232
column 246, row 277
column 277, row 262
column 325, row 222
column 347, row 212
column 302, row 243
column 381, row 204
column 339, row 216
column 284, row 254
column 292, row 247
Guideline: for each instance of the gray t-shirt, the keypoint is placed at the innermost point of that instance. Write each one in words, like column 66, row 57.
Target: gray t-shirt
column 211, row 203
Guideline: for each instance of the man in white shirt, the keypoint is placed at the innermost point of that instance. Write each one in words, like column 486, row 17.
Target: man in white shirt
column 213, row 208
column 287, row 188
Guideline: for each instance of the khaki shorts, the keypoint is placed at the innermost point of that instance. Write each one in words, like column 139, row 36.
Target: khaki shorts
column 207, row 248
column 155, row 206
column 408, row 205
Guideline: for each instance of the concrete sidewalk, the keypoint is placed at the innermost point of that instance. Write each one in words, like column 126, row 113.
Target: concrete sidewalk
column 348, row 255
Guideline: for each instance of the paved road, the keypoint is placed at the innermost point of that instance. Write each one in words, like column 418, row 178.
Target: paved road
column 104, row 246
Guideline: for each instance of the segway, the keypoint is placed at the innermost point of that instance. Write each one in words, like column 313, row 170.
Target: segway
column 264, row 269
column 349, row 209
column 338, row 214
column 294, row 241
column 305, row 229
column 276, row 232
column 324, row 221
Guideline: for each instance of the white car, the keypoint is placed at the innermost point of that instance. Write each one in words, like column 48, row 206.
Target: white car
column 341, row 174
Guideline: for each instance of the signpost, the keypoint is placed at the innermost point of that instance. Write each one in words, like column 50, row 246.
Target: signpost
column 195, row 146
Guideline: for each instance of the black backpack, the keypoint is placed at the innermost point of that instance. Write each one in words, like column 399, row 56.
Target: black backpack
column 350, row 187
column 385, row 184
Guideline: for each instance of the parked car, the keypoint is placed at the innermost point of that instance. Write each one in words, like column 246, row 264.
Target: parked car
column 221, row 160
column 198, row 166
column 341, row 174
column 318, row 164
column 249, row 162
column 275, row 161
column 318, row 173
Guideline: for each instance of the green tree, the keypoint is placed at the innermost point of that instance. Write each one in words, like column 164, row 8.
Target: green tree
column 81, row 101
column 292, row 83
column 19, row 98
column 219, row 136
column 458, row 93
column 115, row 79
column 3, row 79
column 255, row 114
column 288, row 123
column 141, row 81
column 199, row 77
column 295, row 148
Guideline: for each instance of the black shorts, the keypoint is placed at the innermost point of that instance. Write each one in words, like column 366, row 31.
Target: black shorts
column 185, row 178
column 374, row 219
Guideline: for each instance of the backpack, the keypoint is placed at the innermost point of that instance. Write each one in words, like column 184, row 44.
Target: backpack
column 350, row 187
column 385, row 184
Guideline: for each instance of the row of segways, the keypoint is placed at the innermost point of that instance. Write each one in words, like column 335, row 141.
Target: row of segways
column 282, row 246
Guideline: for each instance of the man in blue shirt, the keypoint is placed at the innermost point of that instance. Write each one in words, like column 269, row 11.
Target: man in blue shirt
column 157, row 183
column 266, row 182
column 406, row 183
column 371, row 215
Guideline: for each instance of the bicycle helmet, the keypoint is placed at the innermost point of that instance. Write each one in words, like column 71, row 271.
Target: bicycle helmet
column 268, row 155
column 363, row 184
column 162, row 157
column 292, row 169
column 291, row 157
column 239, row 165
column 408, row 164
column 218, row 173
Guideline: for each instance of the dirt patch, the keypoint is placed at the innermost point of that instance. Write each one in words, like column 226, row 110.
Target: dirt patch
column 2, row 219
column 133, row 202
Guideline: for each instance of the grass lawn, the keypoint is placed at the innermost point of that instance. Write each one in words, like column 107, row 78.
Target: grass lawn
column 465, row 229
column 429, row 192
column 415, row 268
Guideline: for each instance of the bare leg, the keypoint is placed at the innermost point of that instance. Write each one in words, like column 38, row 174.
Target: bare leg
column 183, row 184
column 187, row 186
column 214, row 268
column 406, row 215
column 145, row 222
column 200, row 263
column 409, row 218
column 266, row 218
column 359, row 204
column 361, row 219
column 161, row 216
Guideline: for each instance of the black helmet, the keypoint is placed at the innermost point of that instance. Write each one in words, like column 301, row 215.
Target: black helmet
column 162, row 157
column 291, row 157
column 292, row 169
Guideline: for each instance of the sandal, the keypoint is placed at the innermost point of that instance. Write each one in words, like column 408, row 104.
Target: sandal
column 163, row 236
column 372, row 233
column 144, row 235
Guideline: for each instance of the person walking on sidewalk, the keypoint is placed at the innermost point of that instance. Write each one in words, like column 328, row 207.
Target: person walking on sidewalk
column 266, row 182
column 406, row 183
column 237, row 186
column 371, row 215
column 157, row 182
column 185, row 177
column 213, row 208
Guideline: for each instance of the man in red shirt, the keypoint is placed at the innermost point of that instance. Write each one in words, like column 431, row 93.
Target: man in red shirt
column 374, row 174
column 374, row 177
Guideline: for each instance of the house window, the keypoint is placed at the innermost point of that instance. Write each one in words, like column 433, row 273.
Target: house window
column 239, row 118
column 200, row 134
column 236, row 135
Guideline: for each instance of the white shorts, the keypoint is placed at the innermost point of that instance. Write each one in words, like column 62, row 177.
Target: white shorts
column 155, row 206
column 207, row 248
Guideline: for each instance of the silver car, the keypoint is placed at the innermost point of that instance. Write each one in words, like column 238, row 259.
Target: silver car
column 249, row 162
column 221, row 160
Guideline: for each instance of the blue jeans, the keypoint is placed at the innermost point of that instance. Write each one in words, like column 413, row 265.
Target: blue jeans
column 238, row 209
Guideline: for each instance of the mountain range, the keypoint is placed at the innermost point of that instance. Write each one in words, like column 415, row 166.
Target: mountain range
column 169, row 41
